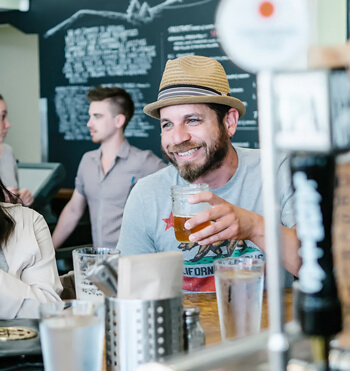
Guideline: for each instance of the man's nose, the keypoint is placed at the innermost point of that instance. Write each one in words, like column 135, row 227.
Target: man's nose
column 8, row 124
column 180, row 134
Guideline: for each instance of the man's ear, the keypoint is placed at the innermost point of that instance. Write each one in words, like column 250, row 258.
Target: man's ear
column 119, row 121
column 231, row 120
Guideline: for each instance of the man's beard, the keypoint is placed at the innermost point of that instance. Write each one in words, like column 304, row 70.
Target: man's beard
column 214, row 156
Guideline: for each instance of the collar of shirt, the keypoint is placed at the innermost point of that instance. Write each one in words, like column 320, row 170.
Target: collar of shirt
column 122, row 153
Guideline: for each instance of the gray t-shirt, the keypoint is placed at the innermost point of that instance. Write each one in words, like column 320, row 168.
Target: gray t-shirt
column 106, row 194
column 148, row 221
column 8, row 167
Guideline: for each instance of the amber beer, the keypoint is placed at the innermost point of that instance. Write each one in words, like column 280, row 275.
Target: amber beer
column 181, row 233
column 183, row 210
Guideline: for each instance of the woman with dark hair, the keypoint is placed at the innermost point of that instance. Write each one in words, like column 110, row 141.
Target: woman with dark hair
column 28, row 271
column 8, row 163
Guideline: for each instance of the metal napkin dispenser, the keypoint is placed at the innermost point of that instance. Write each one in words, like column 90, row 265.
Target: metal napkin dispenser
column 312, row 110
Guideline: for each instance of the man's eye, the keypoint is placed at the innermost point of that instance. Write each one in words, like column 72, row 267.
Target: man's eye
column 166, row 125
column 193, row 121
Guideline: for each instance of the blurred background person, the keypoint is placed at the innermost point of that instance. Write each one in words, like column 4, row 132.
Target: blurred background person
column 8, row 163
column 106, row 175
column 28, row 271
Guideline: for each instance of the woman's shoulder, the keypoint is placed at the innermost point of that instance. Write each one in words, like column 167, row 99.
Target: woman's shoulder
column 26, row 220
column 19, row 212
column 6, row 152
column 10, row 207
column 7, row 148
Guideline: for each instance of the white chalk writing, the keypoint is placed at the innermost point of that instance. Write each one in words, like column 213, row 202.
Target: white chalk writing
column 72, row 109
column 310, row 231
column 95, row 52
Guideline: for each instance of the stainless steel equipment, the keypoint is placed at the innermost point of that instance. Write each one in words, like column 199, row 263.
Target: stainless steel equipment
column 140, row 331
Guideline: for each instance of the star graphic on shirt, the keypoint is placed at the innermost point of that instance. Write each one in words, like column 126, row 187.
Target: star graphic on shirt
column 169, row 222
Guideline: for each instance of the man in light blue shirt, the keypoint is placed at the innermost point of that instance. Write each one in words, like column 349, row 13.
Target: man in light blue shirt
column 198, row 117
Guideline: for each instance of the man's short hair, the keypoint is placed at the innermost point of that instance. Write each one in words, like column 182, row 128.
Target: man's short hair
column 2, row 98
column 120, row 100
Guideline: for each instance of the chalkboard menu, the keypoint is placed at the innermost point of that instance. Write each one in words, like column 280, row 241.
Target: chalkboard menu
column 84, row 43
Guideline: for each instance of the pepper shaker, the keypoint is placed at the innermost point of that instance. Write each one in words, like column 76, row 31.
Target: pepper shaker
column 194, row 336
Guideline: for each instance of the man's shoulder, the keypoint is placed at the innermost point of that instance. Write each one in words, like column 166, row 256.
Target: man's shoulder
column 87, row 163
column 143, row 153
column 251, row 157
column 89, row 155
column 145, row 160
column 250, row 152
column 162, row 177
column 248, row 156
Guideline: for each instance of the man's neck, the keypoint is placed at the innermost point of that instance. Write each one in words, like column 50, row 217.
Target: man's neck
column 109, row 151
column 220, row 176
column 111, row 147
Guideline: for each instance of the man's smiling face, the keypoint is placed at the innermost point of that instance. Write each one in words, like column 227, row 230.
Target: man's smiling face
column 192, row 139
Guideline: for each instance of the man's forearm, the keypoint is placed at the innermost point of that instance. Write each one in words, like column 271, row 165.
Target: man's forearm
column 290, row 253
column 290, row 245
column 65, row 226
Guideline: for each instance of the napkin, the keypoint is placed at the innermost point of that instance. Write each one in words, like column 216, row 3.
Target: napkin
column 150, row 276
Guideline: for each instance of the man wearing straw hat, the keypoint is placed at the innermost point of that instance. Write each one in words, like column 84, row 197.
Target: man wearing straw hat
column 198, row 117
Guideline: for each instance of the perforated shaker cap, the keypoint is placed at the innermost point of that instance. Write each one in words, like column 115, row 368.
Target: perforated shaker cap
column 191, row 311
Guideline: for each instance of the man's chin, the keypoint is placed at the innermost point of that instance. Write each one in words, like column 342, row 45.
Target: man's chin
column 186, row 169
column 190, row 173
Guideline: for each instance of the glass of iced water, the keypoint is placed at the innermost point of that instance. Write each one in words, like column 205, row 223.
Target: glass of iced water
column 239, row 291
column 72, row 335
column 83, row 259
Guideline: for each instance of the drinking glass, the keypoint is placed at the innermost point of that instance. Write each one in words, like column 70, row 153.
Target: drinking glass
column 182, row 210
column 72, row 335
column 239, row 290
column 83, row 259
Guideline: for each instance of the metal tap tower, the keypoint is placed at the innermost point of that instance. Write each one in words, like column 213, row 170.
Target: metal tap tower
column 264, row 37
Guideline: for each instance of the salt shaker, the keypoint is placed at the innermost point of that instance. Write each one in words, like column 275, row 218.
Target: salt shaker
column 194, row 336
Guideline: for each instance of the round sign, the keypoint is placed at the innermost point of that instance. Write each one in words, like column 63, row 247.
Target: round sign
column 262, row 35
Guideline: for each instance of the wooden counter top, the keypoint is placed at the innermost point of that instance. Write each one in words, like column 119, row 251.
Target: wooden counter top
column 209, row 317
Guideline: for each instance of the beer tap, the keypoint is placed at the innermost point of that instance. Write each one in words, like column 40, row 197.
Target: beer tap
column 314, row 129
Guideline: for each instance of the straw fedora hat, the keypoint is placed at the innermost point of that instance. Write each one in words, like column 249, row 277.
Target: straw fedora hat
column 193, row 79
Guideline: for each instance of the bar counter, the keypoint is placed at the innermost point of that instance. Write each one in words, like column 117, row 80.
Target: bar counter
column 209, row 317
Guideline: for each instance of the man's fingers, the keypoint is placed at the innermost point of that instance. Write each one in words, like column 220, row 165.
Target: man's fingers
column 215, row 229
column 209, row 197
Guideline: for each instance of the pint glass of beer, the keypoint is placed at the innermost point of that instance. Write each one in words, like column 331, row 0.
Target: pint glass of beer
column 182, row 210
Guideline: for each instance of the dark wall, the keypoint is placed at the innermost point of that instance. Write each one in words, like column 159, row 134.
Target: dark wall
column 84, row 43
